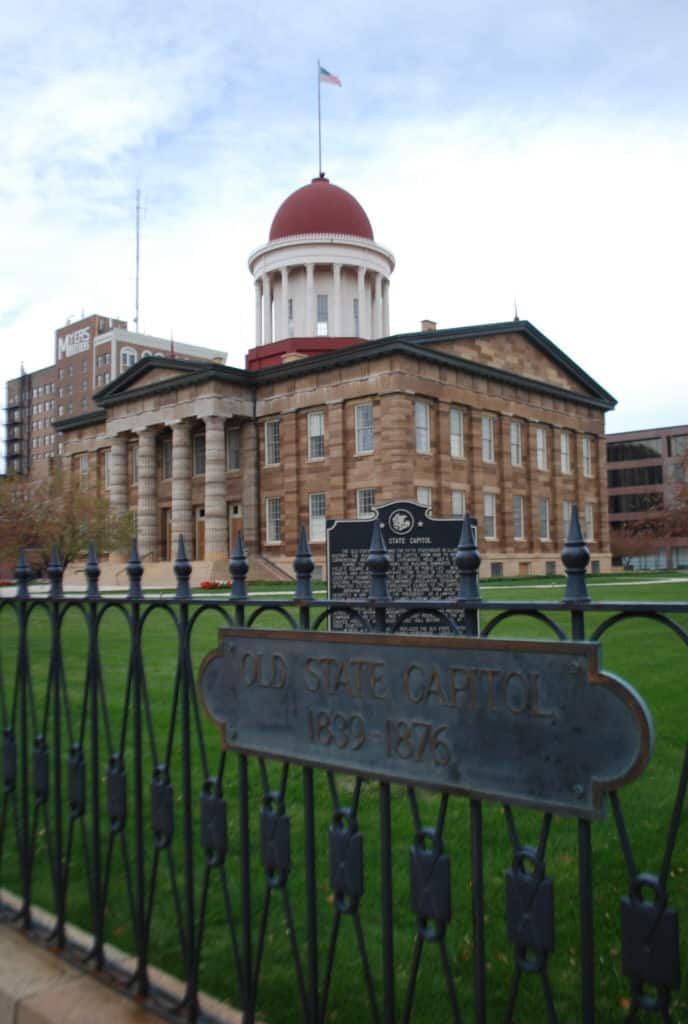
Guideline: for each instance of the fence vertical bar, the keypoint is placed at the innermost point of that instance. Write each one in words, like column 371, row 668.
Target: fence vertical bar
column 378, row 567
column 135, row 595
column 93, row 595
column 587, row 921
column 55, row 576
column 238, row 567
column 22, row 576
column 182, row 572
column 303, row 567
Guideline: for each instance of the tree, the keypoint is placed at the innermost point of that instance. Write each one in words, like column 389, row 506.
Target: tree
column 37, row 514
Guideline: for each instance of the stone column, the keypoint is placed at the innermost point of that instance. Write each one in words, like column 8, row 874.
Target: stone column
column 310, row 325
column 119, row 497
column 215, row 499
column 182, row 515
column 377, row 306
column 259, row 312
column 284, row 327
column 336, row 327
column 267, row 309
column 385, row 307
column 147, row 508
column 362, row 312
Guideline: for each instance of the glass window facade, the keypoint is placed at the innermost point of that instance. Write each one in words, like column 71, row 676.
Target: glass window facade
column 364, row 428
column 422, row 427
column 272, row 443
column 456, row 442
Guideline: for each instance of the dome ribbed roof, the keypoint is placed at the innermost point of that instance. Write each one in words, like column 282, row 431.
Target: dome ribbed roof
column 320, row 208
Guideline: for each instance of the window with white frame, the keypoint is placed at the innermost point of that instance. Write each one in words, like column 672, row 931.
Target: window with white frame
column 458, row 500
column 273, row 520
column 566, row 513
column 516, row 443
column 456, row 432
column 322, row 320
column 589, row 521
column 166, row 458
column 490, row 516
column 541, row 460
column 565, row 451
column 517, row 516
column 424, row 496
column 198, row 454
column 272, row 442
column 364, row 428
column 316, row 435
column 316, row 517
column 544, row 518
column 586, row 453
column 365, row 501
column 487, row 431
column 127, row 358
column 422, row 427
column 83, row 471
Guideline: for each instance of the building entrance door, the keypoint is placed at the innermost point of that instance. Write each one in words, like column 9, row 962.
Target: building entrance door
column 165, row 534
column 199, row 519
column 235, row 524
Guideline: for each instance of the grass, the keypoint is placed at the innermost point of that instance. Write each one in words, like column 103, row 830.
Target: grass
column 645, row 653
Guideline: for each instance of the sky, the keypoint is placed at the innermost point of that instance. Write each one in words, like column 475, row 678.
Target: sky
column 533, row 153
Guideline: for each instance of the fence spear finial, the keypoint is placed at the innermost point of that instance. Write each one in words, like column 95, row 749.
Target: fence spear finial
column 303, row 567
column 92, row 572
column 134, row 572
column 238, row 569
column 182, row 570
column 575, row 557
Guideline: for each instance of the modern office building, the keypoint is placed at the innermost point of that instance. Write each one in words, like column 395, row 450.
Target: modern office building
column 332, row 416
column 87, row 355
column 645, row 469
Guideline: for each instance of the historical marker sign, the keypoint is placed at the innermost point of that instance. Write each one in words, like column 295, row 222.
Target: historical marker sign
column 422, row 556
column 526, row 722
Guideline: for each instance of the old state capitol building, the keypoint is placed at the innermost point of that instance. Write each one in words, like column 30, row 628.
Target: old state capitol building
column 332, row 416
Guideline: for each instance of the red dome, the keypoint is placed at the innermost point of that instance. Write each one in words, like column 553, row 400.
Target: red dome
column 320, row 209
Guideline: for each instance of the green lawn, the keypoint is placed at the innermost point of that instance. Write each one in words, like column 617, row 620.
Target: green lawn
column 645, row 653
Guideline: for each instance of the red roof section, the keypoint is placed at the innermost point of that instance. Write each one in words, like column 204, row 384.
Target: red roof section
column 320, row 208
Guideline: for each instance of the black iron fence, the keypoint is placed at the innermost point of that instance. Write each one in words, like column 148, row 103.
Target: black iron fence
column 302, row 892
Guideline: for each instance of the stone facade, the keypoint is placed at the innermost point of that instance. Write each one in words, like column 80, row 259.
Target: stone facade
column 493, row 419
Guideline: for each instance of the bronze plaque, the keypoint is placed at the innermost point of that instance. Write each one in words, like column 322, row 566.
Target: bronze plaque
column 525, row 722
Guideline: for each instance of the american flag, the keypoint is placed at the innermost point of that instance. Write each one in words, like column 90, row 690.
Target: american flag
column 327, row 76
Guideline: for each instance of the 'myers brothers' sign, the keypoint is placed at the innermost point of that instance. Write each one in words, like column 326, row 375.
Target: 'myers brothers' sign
column 422, row 559
column 535, row 723
column 73, row 343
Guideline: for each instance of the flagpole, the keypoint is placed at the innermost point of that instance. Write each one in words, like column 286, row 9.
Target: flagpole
column 319, row 129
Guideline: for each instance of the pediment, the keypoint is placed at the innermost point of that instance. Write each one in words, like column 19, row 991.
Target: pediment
column 524, row 352
column 148, row 372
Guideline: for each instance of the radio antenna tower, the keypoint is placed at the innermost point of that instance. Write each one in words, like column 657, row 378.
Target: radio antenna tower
column 138, row 260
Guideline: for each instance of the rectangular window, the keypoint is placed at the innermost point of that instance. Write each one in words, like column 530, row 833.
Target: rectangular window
column 134, row 464
column 541, row 448
column 544, row 518
column 458, row 500
column 316, row 435
column 422, row 427
column 166, row 458
column 516, row 445
column 234, row 448
column 316, row 517
column 357, row 320
column 198, row 449
column 566, row 511
column 565, row 451
column 487, row 428
column 290, row 318
column 365, row 501
column 456, row 433
column 322, row 325
column 273, row 520
column 586, row 452
column 517, row 514
column 107, row 464
column 364, row 428
column 589, row 516
column 424, row 496
column 490, row 516
column 272, row 443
